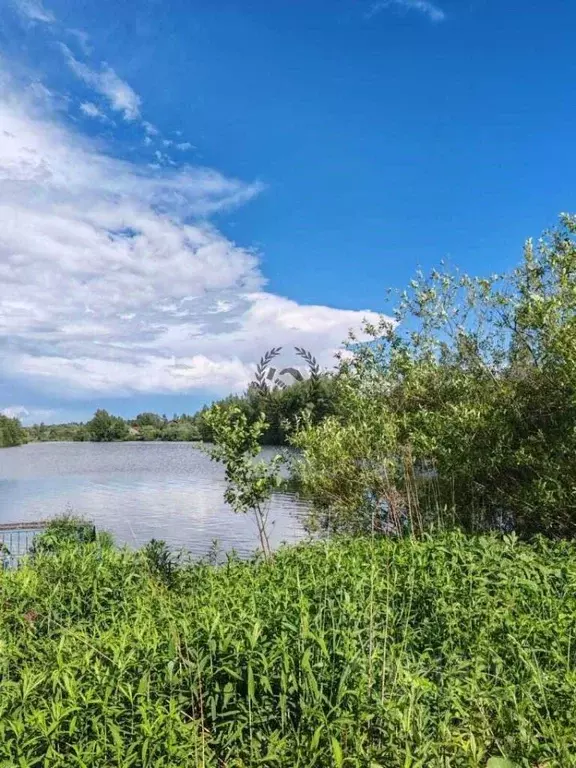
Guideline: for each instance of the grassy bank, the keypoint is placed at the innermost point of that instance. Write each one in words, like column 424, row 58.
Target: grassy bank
column 442, row 652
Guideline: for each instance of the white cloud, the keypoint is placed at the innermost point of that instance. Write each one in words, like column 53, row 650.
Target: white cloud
column 91, row 110
column 184, row 146
column 120, row 95
column 29, row 415
column 34, row 11
column 14, row 411
column 113, row 282
column 429, row 9
column 150, row 129
column 82, row 38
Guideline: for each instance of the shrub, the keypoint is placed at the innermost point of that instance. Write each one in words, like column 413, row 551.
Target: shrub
column 473, row 385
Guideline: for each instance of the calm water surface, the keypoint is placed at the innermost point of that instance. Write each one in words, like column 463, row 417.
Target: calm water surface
column 138, row 491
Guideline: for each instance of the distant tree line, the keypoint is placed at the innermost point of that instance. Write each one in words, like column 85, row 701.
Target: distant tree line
column 104, row 427
column 281, row 408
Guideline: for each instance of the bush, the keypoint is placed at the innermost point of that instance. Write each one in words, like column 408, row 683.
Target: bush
column 474, row 385
column 62, row 531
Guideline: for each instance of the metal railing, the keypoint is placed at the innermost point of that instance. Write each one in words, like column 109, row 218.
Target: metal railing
column 16, row 540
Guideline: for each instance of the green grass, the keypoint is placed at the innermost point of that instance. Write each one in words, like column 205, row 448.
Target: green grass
column 443, row 652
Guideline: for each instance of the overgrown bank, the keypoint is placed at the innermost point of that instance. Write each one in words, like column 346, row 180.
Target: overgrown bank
column 445, row 651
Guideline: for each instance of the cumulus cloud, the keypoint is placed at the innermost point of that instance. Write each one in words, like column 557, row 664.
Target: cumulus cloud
column 34, row 11
column 121, row 97
column 113, row 281
column 427, row 8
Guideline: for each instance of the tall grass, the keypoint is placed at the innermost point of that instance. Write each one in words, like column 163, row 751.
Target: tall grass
column 445, row 651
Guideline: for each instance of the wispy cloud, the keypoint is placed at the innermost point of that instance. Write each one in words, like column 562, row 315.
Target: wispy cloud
column 91, row 110
column 34, row 10
column 427, row 8
column 107, row 83
column 82, row 38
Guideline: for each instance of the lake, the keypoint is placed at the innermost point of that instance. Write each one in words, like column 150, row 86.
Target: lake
column 137, row 491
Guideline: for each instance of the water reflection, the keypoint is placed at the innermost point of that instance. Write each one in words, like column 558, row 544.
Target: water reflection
column 138, row 491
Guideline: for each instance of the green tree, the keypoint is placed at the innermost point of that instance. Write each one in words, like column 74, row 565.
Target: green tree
column 474, row 391
column 104, row 428
column 148, row 432
column 281, row 408
column 11, row 432
column 148, row 420
column 249, row 483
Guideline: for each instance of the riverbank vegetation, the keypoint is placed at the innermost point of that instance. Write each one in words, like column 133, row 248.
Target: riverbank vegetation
column 104, row 427
column 462, row 411
column 11, row 432
column 450, row 650
column 433, row 623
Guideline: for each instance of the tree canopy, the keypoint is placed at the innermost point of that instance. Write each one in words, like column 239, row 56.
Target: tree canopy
column 11, row 432
column 464, row 407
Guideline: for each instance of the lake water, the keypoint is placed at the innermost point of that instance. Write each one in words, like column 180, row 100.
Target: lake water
column 138, row 491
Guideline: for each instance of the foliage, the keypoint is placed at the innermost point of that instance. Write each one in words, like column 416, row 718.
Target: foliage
column 11, row 432
column 146, row 426
column 149, row 420
column 474, row 385
column 249, row 483
column 63, row 530
column 443, row 651
column 71, row 432
column 350, row 466
column 161, row 561
column 281, row 408
column 104, row 428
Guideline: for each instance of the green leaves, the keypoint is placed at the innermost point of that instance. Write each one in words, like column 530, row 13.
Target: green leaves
column 336, row 752
column 357, row 652
column 249, row 483
column 464, row 412
column 11, row 432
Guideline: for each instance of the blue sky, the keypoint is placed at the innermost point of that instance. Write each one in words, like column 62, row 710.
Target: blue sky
column 185, row 184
